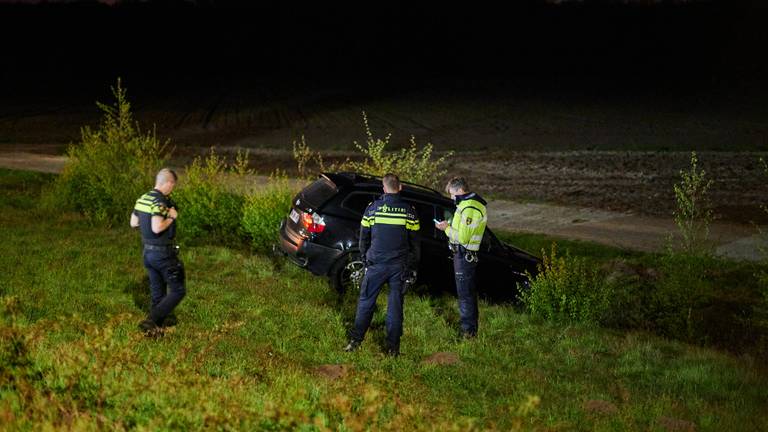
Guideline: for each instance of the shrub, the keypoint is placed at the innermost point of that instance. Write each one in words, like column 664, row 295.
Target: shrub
column 410, row 164
column 567, row 288
column 111, row 166
column 693, row 214
column 675, row 303
column 264, row 210
column 208, row 199
column 682, row 291
column 304, row 155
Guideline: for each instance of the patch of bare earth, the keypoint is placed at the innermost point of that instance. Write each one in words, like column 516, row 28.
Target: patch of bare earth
column 333, row 371
column 619, row 181
column 597, row 406
column 442, row 359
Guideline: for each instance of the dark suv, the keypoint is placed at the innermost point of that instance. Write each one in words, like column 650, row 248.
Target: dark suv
column 322, row 229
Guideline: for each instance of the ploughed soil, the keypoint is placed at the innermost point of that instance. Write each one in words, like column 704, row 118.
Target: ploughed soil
column 555, row 162
column 623, row 199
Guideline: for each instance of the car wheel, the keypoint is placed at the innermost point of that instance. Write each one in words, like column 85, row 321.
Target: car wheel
column 347, row 273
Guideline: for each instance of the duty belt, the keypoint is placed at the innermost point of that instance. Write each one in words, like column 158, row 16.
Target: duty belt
column 469, row 256
column 167, row 247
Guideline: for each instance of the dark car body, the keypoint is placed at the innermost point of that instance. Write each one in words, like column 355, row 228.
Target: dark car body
column 321, row 234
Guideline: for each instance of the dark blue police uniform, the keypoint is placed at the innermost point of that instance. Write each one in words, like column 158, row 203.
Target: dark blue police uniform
column 390, row 248
column 166, row 271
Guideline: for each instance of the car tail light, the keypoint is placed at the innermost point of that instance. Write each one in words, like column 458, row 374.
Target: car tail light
column 313, row 223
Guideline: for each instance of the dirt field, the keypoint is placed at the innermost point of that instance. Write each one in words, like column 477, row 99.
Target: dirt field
column 594, row 166
column 609, row 198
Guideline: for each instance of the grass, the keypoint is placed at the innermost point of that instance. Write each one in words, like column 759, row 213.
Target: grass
column 253, row 330
column 535, row 243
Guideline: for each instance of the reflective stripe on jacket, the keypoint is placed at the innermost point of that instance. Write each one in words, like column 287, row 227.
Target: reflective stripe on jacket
column 389, row 232
column 469, row 221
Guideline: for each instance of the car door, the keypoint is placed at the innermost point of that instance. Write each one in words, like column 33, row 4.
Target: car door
column 434, row 267
column 494, row 275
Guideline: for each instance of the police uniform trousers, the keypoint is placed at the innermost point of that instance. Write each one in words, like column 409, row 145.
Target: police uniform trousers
column 375, row 277
column 166, row 281
column 466, row 292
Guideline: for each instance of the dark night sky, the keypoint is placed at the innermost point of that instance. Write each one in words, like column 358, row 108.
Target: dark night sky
column 75, row 49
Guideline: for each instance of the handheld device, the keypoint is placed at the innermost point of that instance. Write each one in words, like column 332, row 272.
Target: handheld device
column 436, row 221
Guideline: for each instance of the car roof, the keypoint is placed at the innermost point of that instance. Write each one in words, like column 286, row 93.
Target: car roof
column 373, row 183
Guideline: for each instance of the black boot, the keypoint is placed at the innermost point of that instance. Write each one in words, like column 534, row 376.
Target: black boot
column 352, row 346
column 392, row 351
column 149, row 328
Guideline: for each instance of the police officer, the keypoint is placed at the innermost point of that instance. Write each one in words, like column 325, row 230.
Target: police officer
column 155, row 215
column 390, row 249
column 465, row 233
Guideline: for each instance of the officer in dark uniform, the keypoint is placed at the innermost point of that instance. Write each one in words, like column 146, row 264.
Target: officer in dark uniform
column 390, row 249
column 155, row 216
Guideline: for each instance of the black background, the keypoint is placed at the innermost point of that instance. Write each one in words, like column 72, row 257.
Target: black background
column 75, row 50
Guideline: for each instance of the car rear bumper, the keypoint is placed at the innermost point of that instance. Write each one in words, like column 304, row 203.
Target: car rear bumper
column 316, row 258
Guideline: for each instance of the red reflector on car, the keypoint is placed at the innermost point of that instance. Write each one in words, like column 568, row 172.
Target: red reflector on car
column 313, row 223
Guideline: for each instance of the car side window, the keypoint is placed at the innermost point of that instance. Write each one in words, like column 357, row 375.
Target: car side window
column 425, row 212
column 357, row 202
column 447, row 214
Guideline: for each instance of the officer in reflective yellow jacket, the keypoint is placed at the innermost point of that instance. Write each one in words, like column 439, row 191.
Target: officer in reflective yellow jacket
column 155, row 216
column 465, row 233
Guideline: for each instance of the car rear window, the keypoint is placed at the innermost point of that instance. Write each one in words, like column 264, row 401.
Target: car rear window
column 358, row 202
column 318, row 192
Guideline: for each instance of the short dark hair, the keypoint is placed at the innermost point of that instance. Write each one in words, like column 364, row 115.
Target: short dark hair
column 457, row 183
column 391, row 181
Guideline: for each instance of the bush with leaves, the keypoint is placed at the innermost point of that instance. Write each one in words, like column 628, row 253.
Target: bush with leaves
column 694, row 213
column 568, row 289
column 304, row 156
column 264, row 210
column 209, row 202
column 680, row 294
column 111, row 166
column 411, row 164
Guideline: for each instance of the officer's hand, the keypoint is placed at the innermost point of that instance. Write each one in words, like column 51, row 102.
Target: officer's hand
column 442, row 225
column 172, row 213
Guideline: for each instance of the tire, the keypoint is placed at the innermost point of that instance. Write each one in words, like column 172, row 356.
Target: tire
column 341, row 276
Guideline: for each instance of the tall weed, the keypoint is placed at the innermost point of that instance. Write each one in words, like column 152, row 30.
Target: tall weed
column 681, row 292
column 567, row 289
column 412, row 163
column 111, row 166
column 693, row 214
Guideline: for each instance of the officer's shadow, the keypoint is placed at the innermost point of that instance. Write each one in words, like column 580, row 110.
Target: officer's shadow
column 444, row 306
column 139, row 292
column 345, row 303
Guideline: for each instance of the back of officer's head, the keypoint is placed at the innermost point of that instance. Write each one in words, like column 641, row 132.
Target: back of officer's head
column 165, row 179
column 391, row 183
column 457, row 186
